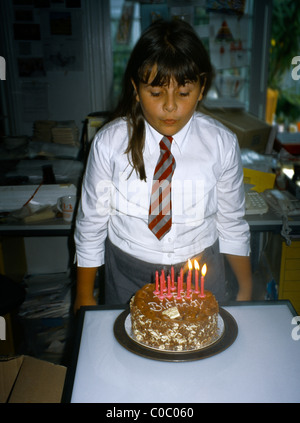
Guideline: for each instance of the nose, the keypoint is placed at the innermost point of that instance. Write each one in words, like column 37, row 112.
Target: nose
column 170, row 103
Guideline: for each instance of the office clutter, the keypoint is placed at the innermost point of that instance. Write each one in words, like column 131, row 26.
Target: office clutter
column 290, row 141
column 35, row 203
column 42, row 130
column 61, row 132
column 287, row 147
column 45, row 315
column 66, row 171
column 50, row 140
column 14, row 197
column 44, row 322
column 258, row 170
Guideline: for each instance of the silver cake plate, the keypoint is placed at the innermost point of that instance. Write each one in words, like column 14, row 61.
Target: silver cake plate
column 227, row 333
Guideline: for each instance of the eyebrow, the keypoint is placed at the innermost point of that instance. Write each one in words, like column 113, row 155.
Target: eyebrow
column 165, row 85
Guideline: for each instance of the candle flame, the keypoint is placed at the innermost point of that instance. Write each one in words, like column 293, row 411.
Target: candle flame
column 190, row 264
column 203, row 270
column 196, row 265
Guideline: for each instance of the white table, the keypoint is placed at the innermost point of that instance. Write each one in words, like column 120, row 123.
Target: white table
column 262, row 365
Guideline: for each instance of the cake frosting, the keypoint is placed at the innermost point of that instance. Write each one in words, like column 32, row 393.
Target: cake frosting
column 173, row 324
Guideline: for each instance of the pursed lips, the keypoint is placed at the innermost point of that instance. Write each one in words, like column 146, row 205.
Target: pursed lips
column 169, row 121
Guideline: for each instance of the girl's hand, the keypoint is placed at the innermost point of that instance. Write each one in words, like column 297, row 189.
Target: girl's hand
column 244, row 295
column 79, row 302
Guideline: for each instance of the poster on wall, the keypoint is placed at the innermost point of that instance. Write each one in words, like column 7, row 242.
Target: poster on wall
column 32, row 67
column 62, row 41
column 24, row 31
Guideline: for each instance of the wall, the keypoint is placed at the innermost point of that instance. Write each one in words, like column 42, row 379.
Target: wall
column 58, row 58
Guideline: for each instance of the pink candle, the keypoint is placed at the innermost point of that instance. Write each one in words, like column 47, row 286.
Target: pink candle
column 178, row 288
column 169, row 296
column 181, row 279
column 172, row 279
column 197, row 267
column 189, row 280
column 188, row 287
column 156, row 292
column 164, row 280
column 161, row 296
column 203, row 273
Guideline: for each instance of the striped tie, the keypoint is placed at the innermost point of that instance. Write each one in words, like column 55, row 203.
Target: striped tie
column 160, row 212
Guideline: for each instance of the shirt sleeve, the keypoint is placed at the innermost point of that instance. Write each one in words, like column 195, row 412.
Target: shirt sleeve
column 233, row 229
column 94, row 207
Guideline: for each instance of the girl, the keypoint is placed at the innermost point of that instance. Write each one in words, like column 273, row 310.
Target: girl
column 199, row 205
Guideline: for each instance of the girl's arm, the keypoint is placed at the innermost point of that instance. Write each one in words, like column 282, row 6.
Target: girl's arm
column 241, row 267
column 85, row 287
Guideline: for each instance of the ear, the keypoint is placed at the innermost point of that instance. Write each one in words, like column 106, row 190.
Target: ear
column 201, row 91
column 135, row 90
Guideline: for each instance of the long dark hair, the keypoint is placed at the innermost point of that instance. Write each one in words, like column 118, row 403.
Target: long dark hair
column 177, row 52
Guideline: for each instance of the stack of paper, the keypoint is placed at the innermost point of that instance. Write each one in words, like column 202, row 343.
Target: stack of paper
column 65, row 132
column 45, row 315
column 47, row 296
column 42, row 130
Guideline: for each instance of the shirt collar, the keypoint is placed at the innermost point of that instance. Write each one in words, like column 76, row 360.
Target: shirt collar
column 153, row 137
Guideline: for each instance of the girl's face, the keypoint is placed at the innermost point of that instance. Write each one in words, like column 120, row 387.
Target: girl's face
column 168, row 108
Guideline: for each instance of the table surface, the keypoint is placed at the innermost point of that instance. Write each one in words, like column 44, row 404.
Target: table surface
column 269, row 221
column 55, row 226
column 262, row 365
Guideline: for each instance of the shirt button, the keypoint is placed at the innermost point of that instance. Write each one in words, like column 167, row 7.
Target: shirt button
column 170, row 254
column 170, row 239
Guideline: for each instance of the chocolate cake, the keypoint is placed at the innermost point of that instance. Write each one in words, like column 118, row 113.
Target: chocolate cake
column 174, row 324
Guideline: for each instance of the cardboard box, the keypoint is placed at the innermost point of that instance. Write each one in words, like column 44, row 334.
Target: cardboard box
column 251, row 132
column 26, row 379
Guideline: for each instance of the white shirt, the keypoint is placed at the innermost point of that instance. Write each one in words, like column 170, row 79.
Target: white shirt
column 207, row 195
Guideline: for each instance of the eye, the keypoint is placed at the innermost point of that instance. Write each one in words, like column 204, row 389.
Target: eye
column 155, row 93
column 184, row 94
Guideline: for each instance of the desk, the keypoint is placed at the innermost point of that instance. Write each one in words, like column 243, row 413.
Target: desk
column 40, row 247
column 262, row 365
column 51, row 227
column 258, row 223
column 270, row 221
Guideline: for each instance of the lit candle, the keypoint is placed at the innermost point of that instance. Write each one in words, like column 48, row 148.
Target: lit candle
column 197, row 267
column 169, row 296
column 203, row 273
column 178, row 288
column 189, row 280
column 156, row 292
column 172, row 279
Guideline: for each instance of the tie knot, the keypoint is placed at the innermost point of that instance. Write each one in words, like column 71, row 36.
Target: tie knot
column 165, row 143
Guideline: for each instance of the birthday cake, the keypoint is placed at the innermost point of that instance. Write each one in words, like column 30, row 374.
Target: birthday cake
column 181, row 320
